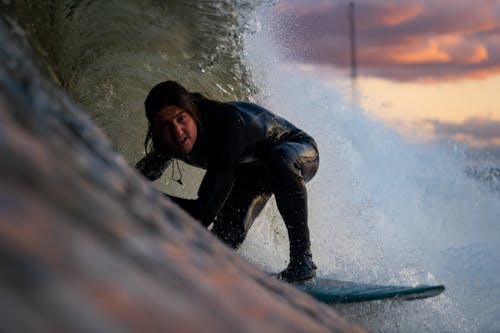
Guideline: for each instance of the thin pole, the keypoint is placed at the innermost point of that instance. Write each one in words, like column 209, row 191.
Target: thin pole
column 352, row 31
column 354, row 74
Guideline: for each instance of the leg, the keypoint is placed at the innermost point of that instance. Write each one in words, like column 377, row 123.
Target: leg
column 290, row 165
column 248, row 196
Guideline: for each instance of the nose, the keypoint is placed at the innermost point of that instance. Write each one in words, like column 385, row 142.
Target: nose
column 176, row 130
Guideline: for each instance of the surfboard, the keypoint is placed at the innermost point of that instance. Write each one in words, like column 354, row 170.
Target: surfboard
column 331, row 291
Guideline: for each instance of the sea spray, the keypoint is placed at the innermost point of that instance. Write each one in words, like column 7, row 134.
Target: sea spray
column 382, row 209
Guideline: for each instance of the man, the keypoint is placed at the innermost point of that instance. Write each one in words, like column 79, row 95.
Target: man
column 249, row 154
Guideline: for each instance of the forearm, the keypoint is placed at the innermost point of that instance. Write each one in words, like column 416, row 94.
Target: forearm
column 213, row 193
column 191, row 206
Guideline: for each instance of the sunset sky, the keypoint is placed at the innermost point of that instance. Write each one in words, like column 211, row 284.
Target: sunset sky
column 428, row 65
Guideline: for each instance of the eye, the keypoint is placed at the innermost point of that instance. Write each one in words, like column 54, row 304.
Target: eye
column 161, row 124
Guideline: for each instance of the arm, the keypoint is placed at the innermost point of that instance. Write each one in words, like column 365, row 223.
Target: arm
column 226, row 148
column 152, row 167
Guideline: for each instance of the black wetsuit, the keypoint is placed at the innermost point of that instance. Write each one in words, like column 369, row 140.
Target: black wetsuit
column 249, row 154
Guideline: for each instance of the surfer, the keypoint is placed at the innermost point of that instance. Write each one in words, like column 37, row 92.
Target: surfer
column 249, row 154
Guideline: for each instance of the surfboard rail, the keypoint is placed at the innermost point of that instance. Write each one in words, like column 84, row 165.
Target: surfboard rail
column 331, row 291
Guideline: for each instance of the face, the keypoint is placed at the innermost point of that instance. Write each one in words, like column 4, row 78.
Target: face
column 177, row 128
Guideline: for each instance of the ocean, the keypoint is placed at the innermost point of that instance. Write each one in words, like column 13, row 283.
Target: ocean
column 382, row 209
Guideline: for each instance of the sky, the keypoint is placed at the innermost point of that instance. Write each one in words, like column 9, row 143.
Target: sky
column 429, row 68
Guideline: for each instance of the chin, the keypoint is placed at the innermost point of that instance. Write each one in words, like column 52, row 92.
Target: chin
column 184, row 151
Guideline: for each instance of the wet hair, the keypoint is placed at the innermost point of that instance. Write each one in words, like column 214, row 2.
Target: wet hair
column 166, row 94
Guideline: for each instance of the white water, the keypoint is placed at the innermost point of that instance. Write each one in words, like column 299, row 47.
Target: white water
column 382, row 210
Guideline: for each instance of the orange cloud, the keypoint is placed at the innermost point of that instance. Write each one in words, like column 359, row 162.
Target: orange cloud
column 453, row 77
column 431, row 53
column 477, row 55
column 484, row 73
column 394, row 14
column 403, row 40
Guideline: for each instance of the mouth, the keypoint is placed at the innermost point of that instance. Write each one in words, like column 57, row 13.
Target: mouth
column 181, row 141
column 181, row 145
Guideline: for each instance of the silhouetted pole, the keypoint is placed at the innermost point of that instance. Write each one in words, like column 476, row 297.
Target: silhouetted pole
column 352, row 33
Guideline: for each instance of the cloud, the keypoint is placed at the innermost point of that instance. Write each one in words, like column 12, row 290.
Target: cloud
column 475, row 131
column 395, row 14
column 432, row 52
column 403, row 40
column 481, row 137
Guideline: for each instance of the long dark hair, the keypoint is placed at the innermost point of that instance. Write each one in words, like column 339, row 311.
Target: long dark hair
column 166, row 94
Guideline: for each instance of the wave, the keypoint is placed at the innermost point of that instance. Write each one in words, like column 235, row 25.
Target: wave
column 382, row 209
column 108, row 54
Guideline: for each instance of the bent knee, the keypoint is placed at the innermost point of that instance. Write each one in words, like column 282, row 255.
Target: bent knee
column 293, row 159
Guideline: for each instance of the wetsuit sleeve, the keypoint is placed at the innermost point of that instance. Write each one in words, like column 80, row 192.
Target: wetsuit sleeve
column 153, row 165
column 227, row 146
column 189, row 205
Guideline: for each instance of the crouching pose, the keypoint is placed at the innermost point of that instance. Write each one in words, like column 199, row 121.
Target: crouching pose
column 249, row 154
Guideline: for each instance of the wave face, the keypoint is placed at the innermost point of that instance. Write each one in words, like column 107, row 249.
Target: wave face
column 382, row 210
column 108, row 54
